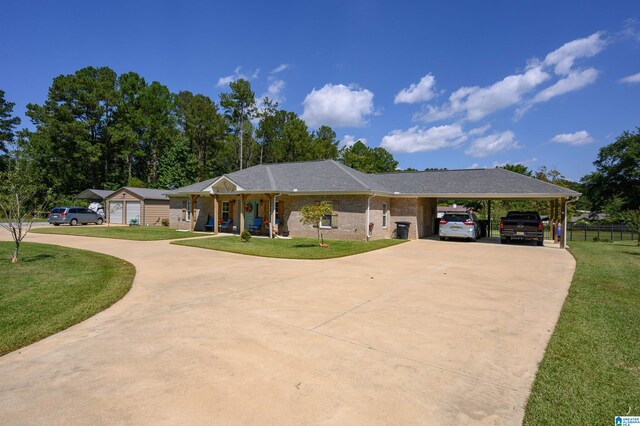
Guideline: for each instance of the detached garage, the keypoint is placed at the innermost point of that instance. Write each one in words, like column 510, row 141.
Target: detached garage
column 143, row 206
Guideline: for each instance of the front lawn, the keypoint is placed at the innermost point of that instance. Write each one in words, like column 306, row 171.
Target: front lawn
column 139, row 233
column 296, row 248
column 51, row 288
column 591, row 369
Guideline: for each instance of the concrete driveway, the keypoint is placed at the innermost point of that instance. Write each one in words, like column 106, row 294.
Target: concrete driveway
column 427, row 332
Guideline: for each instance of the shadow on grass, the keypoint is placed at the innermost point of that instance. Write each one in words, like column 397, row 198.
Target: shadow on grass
column 305, row 245
column 35, row 258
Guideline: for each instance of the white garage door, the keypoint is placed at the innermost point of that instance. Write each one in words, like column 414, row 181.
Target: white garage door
column 115, row 212
column 133, row 211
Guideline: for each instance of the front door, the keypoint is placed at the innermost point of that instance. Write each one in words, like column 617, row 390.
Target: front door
column 250, row 212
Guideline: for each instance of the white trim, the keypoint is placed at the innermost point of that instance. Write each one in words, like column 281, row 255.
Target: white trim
column 209, row 189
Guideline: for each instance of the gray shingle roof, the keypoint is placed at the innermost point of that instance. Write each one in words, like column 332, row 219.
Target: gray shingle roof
column 332, row 177
column 146, row 193
column 468, row 182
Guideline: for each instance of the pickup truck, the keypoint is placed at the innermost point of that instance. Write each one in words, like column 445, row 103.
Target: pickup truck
column 521, row 226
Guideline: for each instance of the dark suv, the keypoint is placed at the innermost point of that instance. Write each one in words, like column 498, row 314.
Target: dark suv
column 73, row 216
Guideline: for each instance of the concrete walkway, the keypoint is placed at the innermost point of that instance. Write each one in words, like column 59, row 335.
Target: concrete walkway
column 427, row 332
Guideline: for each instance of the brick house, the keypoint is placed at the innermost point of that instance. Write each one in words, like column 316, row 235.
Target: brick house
column 365, row 206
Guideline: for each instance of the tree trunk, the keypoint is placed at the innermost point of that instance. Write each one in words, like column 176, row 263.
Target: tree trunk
column 14, row 259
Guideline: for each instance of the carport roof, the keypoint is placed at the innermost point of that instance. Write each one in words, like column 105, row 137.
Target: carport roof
column 332, row 177
column 91, row 194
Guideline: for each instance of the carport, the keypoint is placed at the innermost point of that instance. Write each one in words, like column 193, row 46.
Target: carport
column 485, row 185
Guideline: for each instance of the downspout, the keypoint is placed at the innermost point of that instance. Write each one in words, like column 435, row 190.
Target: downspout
column 367, row 230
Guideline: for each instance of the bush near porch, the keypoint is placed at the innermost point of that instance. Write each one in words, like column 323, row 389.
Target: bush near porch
column 296, row 248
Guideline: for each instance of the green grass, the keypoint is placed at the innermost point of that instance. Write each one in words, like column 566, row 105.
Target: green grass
column 51, row 288
column 138, row 233
column 296, row 248
column 591, row 369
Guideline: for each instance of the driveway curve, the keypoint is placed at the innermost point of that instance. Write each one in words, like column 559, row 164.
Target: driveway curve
column 424, row 332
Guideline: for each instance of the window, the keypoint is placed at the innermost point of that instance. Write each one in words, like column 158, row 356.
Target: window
column 188, row 211
column 384, row 215
column 327, row 220
column 225, row 210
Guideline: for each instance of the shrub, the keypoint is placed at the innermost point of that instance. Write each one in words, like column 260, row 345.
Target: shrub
column 245, row 236
column 165, row 222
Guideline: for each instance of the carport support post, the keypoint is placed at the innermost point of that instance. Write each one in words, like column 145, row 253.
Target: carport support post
column 551, row 219
column 556, row 222
column 215, row 214
column 563, row 238
column 489, row 218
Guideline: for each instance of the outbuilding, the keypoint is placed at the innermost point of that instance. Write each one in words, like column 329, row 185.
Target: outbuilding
column 142, row 206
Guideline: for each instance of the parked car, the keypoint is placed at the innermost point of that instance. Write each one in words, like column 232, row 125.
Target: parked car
column 522, row 226
column 459, row 225
column 73, row 216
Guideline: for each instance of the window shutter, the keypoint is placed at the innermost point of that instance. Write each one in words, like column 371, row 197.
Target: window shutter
column 334, row 217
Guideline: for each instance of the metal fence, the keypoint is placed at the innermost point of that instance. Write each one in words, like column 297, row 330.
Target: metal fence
column 586, row 232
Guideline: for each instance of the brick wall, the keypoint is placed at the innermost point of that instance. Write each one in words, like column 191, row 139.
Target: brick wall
column 404, row 210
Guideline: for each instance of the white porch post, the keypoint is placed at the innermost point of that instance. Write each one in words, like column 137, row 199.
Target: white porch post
column 272, row 214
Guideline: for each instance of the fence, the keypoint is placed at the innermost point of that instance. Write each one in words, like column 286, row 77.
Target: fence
column 586, row 232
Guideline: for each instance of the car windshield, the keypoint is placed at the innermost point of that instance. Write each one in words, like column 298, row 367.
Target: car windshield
column 58, row 210
column 460, row 217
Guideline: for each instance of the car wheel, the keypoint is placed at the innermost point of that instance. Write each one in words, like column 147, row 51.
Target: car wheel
column 503, row 241
column 73, row 222
column 100, row 221
column 441, row 238
column 473, row 240
column 540, row 243
column 84, row 223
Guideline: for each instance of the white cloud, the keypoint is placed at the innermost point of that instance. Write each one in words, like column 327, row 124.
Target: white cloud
column 275, row 88
column 492, row 144
column 421, row 92
column 279, row 68
column 563, row 58
column 338, row 106
column 418, row 139
column 475, row 103
column 474, row 166
column 237, row 75
column 575, row 80
column 634, row 78
column 478, row 102
column 578, row 138
column 349, row 140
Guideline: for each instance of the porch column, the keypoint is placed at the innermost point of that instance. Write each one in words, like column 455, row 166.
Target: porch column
column 193, row 219
column 241, row 211
column 563, row 220
column 555, row 220
column 215, row 214
column 551, row 218
column 272, row 214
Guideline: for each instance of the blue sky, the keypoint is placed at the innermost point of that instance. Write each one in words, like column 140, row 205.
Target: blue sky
column 453, row 84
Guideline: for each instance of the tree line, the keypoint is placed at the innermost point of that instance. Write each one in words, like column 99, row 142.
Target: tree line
column 97, row 129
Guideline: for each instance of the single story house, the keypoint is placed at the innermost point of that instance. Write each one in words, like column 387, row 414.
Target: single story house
column 365, row 206
column 144, row 205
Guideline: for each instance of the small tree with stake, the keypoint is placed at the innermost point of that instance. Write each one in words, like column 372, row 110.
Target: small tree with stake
column 312, row 214
column 18, row 207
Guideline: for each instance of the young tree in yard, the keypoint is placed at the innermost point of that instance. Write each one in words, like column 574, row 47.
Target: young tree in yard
column 18, row 206
column 631, row 218
column 312, row 214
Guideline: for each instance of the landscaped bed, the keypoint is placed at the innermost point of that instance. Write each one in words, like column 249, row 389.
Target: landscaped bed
column 139, row 233
column 591, row 369
column 296, row 248
column 52, row 288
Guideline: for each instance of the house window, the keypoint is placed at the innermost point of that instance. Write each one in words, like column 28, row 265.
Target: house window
column 225, row 210
column 188, row 211
column 327, row 220
column 385, row 213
